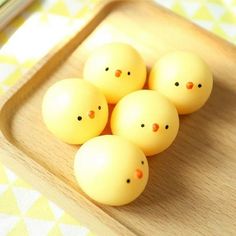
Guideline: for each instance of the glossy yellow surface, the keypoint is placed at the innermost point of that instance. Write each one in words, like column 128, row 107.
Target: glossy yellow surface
column 117, row 69
column 74, row 110
column 147, row 119
column 111, row 170
column 184, row 78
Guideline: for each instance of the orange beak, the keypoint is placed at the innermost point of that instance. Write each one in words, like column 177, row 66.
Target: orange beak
column 138, row 174
column 189, row 85
column 118, row 73
column 91, row 114
column 155, row 127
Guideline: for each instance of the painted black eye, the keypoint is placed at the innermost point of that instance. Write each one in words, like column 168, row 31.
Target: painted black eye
column 199, row 86
column 128, row 73
column 167, row 127
column 142, row 162
column 107, row 69
column 176, row 83
column 128, row 181
column 99, row 107
column 142, row 125
column 79, row 118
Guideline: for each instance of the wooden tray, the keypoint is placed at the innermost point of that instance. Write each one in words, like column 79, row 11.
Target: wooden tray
column 192, row 187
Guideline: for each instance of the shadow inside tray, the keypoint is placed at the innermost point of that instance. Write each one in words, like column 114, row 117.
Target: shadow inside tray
column 168, row 182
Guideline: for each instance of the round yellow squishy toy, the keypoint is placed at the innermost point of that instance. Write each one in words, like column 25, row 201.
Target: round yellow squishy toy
column 117, row 69
column 184, row 78
column 74, row 110
column 147, row 119
column 111, row 170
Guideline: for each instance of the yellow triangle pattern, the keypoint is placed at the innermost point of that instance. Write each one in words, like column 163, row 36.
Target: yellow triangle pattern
column 8, row 204
column 217, row 29
column 55, row 231
column 19, row 229
column 215, row 1
column 228, row 17
column 203, row 14
column 178, row 9
column 3, row 176
column 8, row 59
column 13, row 77
column 21, row 183
column 1, row 90
column 40, row 210
column 67, row 219
column 59, row 8
column 91, row 234
column 29, row 63
column 82, row 12
column 44, row 17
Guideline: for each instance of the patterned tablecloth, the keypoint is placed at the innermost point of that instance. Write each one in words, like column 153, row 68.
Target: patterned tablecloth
column 23, row 210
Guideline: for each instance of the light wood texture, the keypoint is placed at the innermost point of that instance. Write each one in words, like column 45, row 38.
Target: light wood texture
column 11, row 9
column 192, row 187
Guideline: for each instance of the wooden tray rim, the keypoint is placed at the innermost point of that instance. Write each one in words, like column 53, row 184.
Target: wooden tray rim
column 14, row 158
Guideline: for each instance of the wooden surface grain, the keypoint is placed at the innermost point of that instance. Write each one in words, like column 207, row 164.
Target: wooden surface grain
column 192, row 186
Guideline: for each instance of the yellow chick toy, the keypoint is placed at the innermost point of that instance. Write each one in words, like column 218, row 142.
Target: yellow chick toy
column 74, row 110
column 184, row 78
column 111, row 170
column 117, row 69
column 147, row 119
